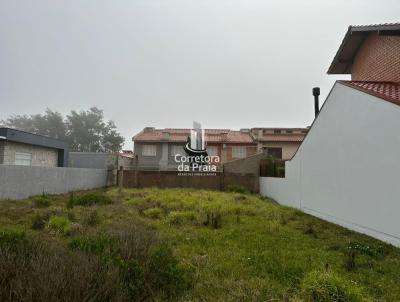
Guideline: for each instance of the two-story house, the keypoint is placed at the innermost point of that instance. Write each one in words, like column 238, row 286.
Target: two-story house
column 156, row 148
column 279, row 142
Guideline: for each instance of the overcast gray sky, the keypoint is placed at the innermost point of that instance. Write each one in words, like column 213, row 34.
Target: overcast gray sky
column 226, row 63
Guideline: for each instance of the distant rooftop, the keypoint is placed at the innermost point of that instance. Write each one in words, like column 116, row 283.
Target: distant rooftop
column 282, row 138
column 181, row 135
column 20, row 136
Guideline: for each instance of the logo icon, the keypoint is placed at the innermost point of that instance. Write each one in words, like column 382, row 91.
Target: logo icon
column 196, row 161
column 195, row 146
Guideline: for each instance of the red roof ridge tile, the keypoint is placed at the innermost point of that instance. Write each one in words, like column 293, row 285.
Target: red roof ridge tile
column 386, row 90
column 181, row 134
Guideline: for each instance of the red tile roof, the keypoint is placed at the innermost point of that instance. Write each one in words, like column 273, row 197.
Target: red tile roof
column 282, row 138
column 388, row 91
column 181, row 135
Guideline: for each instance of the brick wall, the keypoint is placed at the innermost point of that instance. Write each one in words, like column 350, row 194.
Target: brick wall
column 248, row 165
column 41, row 156
column 378, row 59
column 170, row 179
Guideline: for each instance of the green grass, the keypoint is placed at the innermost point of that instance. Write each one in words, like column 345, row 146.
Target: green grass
column 221, row 246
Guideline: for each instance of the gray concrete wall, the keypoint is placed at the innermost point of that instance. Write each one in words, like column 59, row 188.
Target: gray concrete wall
column 18, row 182
column 98, row 160
column 92, row 160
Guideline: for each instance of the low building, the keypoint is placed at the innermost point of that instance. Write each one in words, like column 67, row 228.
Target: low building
column 156, row 148
column 27, row 149
column 281, row 143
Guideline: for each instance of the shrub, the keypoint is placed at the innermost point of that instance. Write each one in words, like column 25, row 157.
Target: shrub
column 42, row 201
column 240, row 197
column 373, row 251
column 40, row 220
column 132, row 277
column 166, row 274
column 181, row 217
column 143, row 206
column 70, row 203
column 91, row 199
column 42, row 270
column 309, row 229
column 92, row 218
column 9, row 237
column 101, row 244
column 153, row 213
column 280, row 172
column 326, row 286
column 146, row 268
column 237, row 189
column 350, row 258
column 272, row 167
column 213, row 218
column 60, row 225
column 134, row 241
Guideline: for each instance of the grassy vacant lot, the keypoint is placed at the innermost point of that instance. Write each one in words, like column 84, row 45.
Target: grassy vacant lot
column 184, row 245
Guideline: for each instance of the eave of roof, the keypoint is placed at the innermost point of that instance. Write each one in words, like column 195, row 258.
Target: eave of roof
column 282, row 138
column 279, row 128
column 181, row 135
column 388, row 91
column 352, row 42
column 19, row 136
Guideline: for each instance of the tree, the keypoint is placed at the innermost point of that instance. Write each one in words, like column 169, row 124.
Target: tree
column 50, row 124
column 21, row 122
column 84, row 130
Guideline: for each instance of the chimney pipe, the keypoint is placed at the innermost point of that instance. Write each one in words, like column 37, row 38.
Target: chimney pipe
column 315, row 92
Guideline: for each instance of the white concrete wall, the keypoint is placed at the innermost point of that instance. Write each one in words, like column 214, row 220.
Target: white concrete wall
column 18, row 182
column 347, row 169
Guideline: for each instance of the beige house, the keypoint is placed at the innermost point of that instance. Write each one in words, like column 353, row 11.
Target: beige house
column 279, row 142
column 155, row 148
column 21, row 148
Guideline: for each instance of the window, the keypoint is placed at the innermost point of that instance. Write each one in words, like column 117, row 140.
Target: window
column 149, row 150
column 176, row 149
column 274, row 152
column 289, row 131
column 212, row 151
column 239, row 152
column 277, row 131
column 23, row 159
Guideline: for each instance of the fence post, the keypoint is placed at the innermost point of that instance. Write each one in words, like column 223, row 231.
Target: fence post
column 135, row 179
column 121, row 178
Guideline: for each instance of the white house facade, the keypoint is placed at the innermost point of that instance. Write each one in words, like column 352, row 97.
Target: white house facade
column 347, row 169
